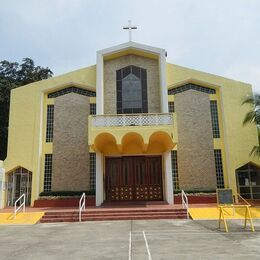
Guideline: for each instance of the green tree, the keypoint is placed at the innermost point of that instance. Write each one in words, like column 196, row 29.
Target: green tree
column 253, row 116
column 13, row 75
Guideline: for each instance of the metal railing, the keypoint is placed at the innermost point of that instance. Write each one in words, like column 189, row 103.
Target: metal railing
column 82, row 205
column 185, row 202
column 132, row 120
column 244, row 200
column 22, row 205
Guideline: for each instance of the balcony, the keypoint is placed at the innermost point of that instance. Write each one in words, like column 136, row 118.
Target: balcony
column 132, row 120
column 131, row 133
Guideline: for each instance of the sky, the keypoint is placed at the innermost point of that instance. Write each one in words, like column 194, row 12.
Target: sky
column 220, row 37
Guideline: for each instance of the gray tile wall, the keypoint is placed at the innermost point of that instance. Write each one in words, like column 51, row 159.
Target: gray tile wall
column 196, row 165
column 70, row 143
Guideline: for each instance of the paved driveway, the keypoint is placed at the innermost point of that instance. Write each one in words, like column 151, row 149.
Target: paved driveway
column 158, row 239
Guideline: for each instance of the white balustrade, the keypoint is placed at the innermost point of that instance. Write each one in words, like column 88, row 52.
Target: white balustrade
column 132, row 120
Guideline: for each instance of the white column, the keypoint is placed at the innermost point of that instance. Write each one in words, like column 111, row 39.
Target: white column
column 100, row 84
column 37, row 167
column 100, row 111
column 168, row 177
column 99, row 179
column 164, row 90
column 2, row 185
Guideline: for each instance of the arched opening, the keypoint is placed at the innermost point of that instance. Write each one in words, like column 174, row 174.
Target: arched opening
column 132, row 143
column 19, row 183
column 160, row 142
column 248, row 181
column 106, row 143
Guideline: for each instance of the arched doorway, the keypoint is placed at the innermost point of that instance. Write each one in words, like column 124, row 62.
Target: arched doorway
column 248, row 181
column 19, row 182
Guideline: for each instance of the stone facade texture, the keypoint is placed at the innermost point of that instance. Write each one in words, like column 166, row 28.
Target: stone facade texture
column 196, row 163
column 153, row 85
column 70, row 143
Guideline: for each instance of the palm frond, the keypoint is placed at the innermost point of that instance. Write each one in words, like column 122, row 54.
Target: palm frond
column 253, row 116
column 255, row 151
column 248, row 100
column 257, row 117
column 250, row 117
column 252, row 99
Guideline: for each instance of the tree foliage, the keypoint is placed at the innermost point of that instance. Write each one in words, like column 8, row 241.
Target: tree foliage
column 13, row 75
column 253, row 116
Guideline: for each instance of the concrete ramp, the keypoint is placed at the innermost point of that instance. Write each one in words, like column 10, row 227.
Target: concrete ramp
column 26, row 218
column 213, row 213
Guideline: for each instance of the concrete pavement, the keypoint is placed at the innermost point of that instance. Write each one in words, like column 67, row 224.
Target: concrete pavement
column 132, row 240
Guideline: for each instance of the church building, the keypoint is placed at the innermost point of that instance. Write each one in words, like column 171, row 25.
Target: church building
column 132, row 127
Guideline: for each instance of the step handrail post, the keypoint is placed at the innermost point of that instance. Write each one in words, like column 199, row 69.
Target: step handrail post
column 185, row 202
column 82, row 205
column 22, row 205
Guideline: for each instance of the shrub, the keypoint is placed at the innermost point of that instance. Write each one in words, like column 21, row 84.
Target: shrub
column 194, row 191
column 65, row 193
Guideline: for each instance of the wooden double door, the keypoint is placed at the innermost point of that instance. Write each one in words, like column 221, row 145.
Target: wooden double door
column 133, row 178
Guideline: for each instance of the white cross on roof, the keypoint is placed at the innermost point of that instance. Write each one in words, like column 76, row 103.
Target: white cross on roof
column 130, row 27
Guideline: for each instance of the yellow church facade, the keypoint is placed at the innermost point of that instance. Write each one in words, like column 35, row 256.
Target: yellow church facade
column 133, row 128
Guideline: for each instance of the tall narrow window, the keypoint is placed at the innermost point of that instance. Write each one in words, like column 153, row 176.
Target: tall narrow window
column 49, row 124
column 92, row 109
column 219, row 168
column 175, row 177
column 214, row 118
column 92, row 170
column 47, row 172
column 171, row 107
column 131, row 90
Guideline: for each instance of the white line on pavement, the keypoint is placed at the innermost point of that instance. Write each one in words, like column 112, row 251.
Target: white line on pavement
column 166, row 230
column 195, row 232
column 130, row 246
column 147, row 247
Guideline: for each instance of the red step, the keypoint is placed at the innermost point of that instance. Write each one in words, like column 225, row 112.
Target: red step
column 76, row 216
column 106, row 218
column 117, row 211
column 110, row 219
column 113, row 214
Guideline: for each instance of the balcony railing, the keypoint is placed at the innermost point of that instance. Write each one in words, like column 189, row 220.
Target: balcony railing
column 131, row 120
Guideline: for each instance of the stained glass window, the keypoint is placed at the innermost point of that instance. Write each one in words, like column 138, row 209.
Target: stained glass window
column 131, row 90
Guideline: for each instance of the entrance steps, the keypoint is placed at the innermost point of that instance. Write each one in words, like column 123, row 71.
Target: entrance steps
column 107, row 214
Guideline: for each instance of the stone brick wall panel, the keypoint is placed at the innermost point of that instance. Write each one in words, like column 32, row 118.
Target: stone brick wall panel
column 196, row 163
column 70, row 143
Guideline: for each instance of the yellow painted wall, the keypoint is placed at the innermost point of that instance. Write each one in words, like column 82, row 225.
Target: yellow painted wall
column 26, row 142
column 27, row 122
column 238, row 140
